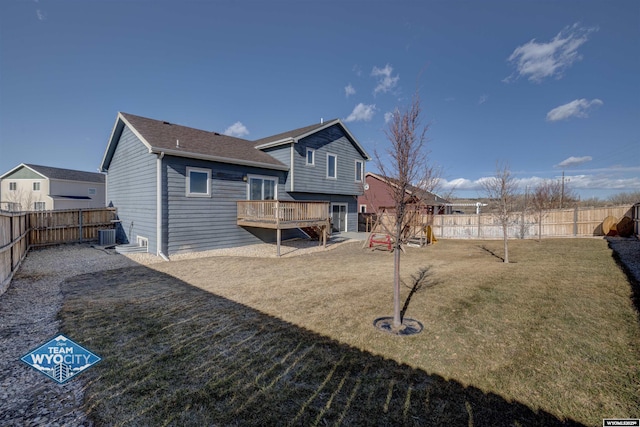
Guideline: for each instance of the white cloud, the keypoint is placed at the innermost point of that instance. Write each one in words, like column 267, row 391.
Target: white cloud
column 573, row 161
column 361, row 112
column 388, row 116
column 349, row 90
column 575, row 108
column 237, row 129
column 609, row 179
column 537, row 61
column 41, row 15
column 386, row 81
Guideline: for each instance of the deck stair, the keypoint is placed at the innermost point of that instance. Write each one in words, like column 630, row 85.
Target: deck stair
column 314, row 233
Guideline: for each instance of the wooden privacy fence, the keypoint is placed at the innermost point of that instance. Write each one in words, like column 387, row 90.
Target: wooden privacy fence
column 13, row 245
column 21, row 231
column 66, row 226
column 577, row 222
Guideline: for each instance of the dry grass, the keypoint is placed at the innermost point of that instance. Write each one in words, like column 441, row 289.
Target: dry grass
column 551, row 337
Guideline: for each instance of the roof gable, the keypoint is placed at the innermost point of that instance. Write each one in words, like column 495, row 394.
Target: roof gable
column 295, row 135
column 176, row 140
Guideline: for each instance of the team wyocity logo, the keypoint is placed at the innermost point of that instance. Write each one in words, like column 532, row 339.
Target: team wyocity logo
column 60, row 359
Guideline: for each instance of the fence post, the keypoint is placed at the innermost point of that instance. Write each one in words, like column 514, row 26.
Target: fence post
column 479, row 221
column 575, row 221
column 80, row 222
column 11, row 243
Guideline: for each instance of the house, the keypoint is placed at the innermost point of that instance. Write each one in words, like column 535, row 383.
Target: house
column 33, row 187
column 179, row 189
column 377, row 194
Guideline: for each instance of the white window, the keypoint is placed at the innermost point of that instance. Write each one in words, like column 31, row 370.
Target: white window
column 363, row 208
column 311, row 156
column 39, row 206
column 36, row 186
column 198, row 182
column 261, row 188
column 359, row 167
column 332, row 166
column 92, row 191
column 12, row 186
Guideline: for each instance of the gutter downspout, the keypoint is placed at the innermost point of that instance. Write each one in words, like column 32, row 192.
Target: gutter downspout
column 291, row 168
column 159, row 207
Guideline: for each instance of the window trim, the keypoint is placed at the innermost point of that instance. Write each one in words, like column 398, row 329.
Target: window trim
column 13, row 186
column 361, row 163
column 313, row 157
column 188, row 192
column 43, row 206
column 36, row 184
column 363, row 210
column 335, row 166
column 92, row 191
column 262, row 177
column 142, row 242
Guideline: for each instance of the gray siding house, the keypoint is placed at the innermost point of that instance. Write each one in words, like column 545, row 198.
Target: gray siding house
column 179, row 189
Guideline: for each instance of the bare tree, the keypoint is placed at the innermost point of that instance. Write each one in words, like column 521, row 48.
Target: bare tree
column 546, row 196
column 408, row 165
column 502, row 188
column 21, row 198
column 625, row 198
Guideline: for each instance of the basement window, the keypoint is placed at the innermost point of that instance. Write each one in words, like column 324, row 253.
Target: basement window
column 142, row 242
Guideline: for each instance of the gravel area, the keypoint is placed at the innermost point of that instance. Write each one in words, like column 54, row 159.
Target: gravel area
column 29, row 307
column 28, row 312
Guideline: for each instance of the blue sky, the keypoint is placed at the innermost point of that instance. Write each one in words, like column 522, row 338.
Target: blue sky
column 547, row 86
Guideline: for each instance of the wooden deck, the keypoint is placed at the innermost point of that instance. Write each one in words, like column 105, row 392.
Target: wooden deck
column 279, row 215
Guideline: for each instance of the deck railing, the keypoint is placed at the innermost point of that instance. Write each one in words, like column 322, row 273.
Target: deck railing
column 275, row 211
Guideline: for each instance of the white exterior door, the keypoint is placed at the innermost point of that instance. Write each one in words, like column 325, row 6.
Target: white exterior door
column 339, row 217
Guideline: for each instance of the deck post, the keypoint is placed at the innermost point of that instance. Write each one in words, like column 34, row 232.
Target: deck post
column 324, row 236
column 278, row 238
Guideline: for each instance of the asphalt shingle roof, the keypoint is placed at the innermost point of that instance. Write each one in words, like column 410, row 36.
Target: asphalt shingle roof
column 291, row 134
column 168, row 136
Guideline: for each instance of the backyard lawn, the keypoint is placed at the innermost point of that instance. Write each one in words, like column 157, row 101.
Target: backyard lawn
column 549, row 339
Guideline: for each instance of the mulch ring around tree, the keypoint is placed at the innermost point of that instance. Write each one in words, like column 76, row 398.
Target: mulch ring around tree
column 408, row 326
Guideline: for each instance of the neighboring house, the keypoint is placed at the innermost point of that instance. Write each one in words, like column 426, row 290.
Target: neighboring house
column 179, row 189
column 378, row 190
column 32, row 187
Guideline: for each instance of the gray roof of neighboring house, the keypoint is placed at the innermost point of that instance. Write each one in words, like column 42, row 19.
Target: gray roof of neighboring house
column 67, row 174
column 177, row 140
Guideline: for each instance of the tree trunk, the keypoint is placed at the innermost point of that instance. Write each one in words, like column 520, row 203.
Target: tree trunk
column 397, row 319
column 506, row 244
column 540, row 225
